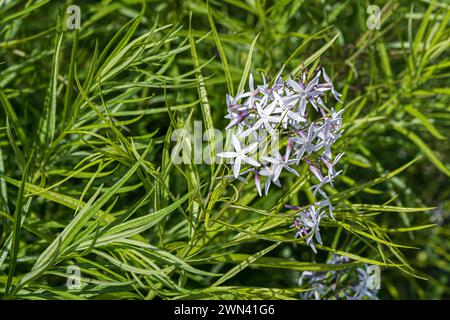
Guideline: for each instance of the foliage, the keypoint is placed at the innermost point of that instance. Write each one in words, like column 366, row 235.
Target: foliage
column 86, row 121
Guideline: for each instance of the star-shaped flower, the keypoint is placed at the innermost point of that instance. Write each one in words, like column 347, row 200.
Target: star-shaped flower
column 265, row 117
column 240, row 155
column 270, row 174
column 306, row 142
column 284, row 105
column 328, row 138
column 286, row 112
column 306, row 93
column 279, row 163
column 318, row 187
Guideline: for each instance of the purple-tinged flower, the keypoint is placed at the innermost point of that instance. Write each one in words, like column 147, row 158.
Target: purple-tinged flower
column 233, row 103
column 307, row 225
column 316, row 171
column 237, row 118
column 291, row 207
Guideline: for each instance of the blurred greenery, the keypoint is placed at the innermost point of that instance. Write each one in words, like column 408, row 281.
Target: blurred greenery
column 86, row 119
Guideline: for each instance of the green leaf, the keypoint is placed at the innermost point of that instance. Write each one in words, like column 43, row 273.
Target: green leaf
column 424, row 148
column 244, row 264
column 424, row 120
column 12, row 116
column 203, row 95
column 223, row 57
column 47, row 126
column 316, row 55
column 135, row 226
column 17, row 225
column 247, row 66
column 352, row 191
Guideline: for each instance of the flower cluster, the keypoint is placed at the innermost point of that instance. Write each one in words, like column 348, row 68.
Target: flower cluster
column 307, row 224
column 293, row 113
column 307, row 221
column 343, row 283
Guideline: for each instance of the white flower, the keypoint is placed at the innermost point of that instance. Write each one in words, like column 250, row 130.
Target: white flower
column 308, row 93
column 329, row 131
column 306, row 143
column 286, row 112
column 269, row 173
column 240, row 155
column 266, row 118
column 279, row 163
